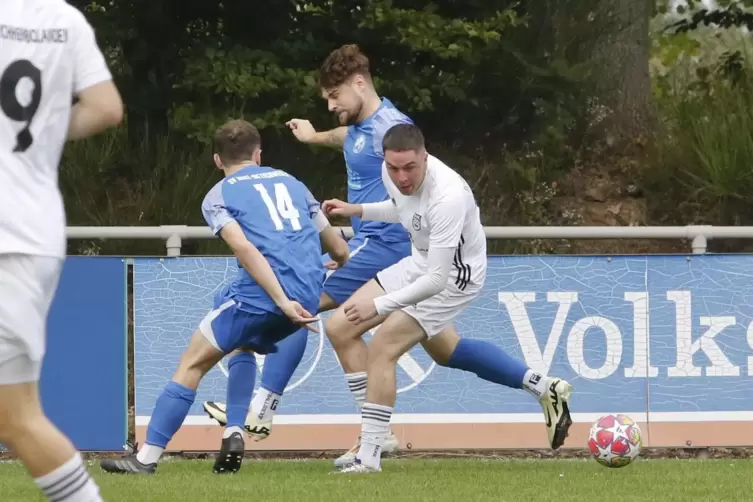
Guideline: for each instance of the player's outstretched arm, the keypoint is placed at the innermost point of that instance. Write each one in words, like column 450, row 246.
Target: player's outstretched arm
column 305, row 132
column 334, row 245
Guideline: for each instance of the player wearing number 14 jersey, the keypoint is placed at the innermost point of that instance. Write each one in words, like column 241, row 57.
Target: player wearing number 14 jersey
column 48, row 55
column 273, row 225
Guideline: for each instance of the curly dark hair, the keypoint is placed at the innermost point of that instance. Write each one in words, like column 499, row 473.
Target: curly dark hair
column 341, row 64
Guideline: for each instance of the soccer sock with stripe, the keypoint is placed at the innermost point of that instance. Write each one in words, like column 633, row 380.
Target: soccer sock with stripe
column 168, row 415
column 69, row 483
column 240, row 386
column 375, row 426
column 357, row 385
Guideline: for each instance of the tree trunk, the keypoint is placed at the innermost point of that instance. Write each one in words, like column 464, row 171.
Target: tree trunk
column 610, row 38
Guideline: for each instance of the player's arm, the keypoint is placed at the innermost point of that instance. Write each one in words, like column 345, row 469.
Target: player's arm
column 99, row 104
column 253, row 261
column 446, row 222
column 224, row 225
column 332, row 241
column 305, row 132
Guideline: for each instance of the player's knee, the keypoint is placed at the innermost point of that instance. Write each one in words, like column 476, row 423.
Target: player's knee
column 338, row 329
column 17, row 419
column 381, row 352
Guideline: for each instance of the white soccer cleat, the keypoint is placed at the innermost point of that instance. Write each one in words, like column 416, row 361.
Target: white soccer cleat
column 391, row 445
column 555, row 402
column 257, row 429
column 356, row 467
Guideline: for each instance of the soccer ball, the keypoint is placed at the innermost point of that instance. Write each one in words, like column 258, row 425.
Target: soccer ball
column 615, row 440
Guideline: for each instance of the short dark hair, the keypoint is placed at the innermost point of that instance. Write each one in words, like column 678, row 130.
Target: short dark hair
column 341, row 64
column 403, row 137
column 236, row 141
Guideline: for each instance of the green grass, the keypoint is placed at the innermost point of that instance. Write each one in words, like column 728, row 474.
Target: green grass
column 420, row 480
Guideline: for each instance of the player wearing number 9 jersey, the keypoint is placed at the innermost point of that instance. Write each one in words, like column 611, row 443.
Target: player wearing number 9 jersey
column 275, row 228
column 48, row 56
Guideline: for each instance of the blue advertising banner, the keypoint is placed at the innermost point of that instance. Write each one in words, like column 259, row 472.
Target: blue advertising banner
column 84, row 375
column 662, row 338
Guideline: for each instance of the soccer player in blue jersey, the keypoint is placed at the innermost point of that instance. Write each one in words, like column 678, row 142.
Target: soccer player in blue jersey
column 276, row 230
column 365, row 118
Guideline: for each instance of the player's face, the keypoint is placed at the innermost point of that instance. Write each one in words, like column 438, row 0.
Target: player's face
column 406, row 169
column 346, row 100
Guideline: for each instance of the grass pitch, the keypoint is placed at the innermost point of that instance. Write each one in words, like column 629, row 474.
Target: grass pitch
column 459, row 480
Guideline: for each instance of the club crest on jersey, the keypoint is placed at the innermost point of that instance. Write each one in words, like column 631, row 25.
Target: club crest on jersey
column 359, row 143
column 416, row 222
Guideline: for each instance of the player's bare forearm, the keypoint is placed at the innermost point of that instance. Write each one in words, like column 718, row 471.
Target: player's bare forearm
column 258, row 267
column 335, row 245
column 98, row 108
column 334, row 138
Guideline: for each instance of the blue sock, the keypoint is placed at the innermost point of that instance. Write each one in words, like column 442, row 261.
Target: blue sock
column 240, row 386
column 169, row 412
column 280, row 366
column 488, row 362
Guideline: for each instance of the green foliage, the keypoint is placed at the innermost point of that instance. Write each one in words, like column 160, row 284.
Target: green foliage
column 704, row 86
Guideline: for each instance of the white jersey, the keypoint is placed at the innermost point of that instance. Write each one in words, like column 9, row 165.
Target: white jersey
column 443, row 213
column 48, row 53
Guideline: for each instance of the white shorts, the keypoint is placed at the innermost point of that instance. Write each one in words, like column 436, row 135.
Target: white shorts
column 436, row 312
column 27, row 287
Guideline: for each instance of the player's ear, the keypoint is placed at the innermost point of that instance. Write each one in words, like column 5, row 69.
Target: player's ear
column 257, row 157
column 218, row 161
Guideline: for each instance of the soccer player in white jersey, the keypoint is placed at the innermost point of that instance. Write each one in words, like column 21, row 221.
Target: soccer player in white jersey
column 422, row 294
column 48, row 55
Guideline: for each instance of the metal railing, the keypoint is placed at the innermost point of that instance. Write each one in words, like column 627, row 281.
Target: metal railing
column 699, row 235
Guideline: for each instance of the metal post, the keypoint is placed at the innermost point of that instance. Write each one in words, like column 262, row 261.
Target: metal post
column 699, row 244
column 174, row 243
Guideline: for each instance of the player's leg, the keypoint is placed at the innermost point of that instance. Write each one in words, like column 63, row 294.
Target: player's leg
column 395, row 337
column 205, row 349
column 280, row 366
column 490, row 362
column 27, row 287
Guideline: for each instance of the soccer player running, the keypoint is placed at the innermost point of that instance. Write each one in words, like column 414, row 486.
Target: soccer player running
column 419, row 297
column 346, row 84
column 274, row 227
column 48, row 55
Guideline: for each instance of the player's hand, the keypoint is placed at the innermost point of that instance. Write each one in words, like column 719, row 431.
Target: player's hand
column 340, row 208
column 300, row 315
column 302, row 129
column 360, row 310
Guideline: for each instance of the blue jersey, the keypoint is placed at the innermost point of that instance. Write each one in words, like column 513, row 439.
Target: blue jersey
column 275, row 212
column 363, row 159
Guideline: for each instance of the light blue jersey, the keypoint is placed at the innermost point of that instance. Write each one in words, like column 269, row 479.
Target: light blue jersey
column 363, row 160
column 275, row 212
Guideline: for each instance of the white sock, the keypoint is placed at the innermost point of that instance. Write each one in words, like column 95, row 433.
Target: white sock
column 70, row 483
column 375, row 427
column 149, row 454
column 535, row 383
column 229, row 431
column 357, row 385
column 264, row 404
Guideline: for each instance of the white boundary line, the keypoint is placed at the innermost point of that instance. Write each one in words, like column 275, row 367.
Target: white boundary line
column 484, row 418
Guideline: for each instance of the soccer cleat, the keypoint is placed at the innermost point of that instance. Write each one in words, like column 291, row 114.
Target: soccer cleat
column 391, row 444
column 231, row 454
column 356, row 467
column 127, row 465
column 555, row 402
column 258, row 430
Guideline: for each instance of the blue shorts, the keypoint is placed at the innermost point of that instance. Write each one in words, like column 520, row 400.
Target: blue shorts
column 367, row 257
column 235, row 325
